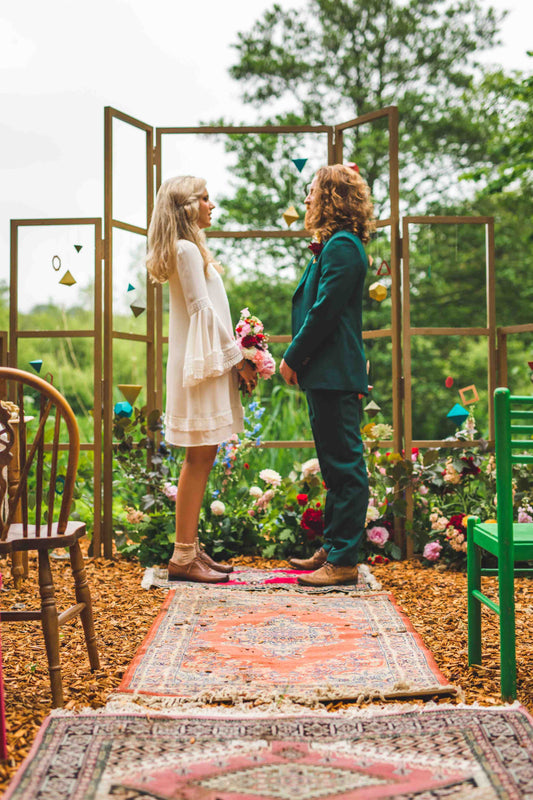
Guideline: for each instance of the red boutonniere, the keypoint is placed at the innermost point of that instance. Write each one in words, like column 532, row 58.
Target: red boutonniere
column 316, row 247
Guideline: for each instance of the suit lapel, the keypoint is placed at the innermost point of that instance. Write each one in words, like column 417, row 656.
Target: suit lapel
column 305, row 276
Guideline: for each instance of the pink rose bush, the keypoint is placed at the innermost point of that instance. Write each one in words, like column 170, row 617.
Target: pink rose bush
column 378, row 535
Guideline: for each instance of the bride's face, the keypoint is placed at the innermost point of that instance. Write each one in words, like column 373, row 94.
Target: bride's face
column 205, row 208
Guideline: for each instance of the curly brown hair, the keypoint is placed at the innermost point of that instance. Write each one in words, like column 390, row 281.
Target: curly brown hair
column 340, row 202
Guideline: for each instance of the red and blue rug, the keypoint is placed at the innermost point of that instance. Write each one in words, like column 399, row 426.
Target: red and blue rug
column 429, row 754
column 213, row 645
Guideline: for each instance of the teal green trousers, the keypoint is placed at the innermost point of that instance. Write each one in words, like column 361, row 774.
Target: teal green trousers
column 335, row 421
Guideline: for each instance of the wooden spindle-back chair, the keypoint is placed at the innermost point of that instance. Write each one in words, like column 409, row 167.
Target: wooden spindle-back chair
column 35, row 502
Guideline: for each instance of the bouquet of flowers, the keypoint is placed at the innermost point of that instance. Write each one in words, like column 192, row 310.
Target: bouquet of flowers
column 253, row 343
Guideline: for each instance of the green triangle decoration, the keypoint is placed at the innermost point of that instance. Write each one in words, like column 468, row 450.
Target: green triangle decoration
column 78, row 247
column 137, row 310
column 299, row 163
column 36, row 364
column 131, row 288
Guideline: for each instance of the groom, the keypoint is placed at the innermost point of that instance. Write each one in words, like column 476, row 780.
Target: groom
column 326, row 359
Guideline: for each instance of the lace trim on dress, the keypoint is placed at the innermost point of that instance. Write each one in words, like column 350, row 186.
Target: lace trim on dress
column 198, row 305
column 210, row 350
column 173, row 423
column 196, row 369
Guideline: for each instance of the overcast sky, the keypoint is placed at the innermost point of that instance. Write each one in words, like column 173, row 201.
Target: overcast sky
column 163, row 62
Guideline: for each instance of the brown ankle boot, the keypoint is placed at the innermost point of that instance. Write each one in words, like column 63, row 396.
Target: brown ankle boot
column 226, row 568
column 317, row 559
column 330, row 575
column 196, row 570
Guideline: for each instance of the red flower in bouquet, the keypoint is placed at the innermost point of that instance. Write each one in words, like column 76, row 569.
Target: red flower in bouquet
column 302, row 499
column 253, row 344
column 312, row 523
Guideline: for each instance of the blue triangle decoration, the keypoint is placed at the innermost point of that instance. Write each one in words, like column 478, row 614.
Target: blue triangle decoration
column 299, row 163
column 37, row 364
column 458, row 414
column 131, row 288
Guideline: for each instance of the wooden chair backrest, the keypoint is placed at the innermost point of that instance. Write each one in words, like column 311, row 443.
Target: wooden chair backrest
column 24, row 447
column 513, row 415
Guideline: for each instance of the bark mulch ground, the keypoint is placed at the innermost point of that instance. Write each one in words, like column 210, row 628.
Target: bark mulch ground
column 433, row 598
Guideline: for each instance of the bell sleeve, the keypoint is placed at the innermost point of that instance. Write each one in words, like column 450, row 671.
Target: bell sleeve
column 210, row 349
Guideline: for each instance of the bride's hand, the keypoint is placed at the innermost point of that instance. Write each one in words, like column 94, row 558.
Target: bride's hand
column 247, row 377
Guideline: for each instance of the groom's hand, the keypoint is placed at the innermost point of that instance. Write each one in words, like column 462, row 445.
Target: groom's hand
column 288, row 374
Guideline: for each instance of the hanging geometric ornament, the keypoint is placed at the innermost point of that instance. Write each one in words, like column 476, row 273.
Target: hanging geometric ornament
column 291, row 215
column 78, row 247
column 372, row 409
column 383, row 268
column 130, row 391
column 123, row 410
column 465, row 399
column 130, row 288
column 137, row 310
column 299, row 163
column 458, row 414
column 377, row 291
column 56, row 263
column 37, row 364
column 68, row 279
column 448, row 382
column 353, row 166
column 530, row 364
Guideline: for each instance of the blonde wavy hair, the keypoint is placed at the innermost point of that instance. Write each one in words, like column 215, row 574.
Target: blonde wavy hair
column 175, row 216
column 340, row 202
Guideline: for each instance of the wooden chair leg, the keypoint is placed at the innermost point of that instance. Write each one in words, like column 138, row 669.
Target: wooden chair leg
column 50, row 627
column 507, row 627
column 83, row 595
column 474, row 605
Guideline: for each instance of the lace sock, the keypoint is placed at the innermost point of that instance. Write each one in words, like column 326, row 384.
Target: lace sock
column 183, row 553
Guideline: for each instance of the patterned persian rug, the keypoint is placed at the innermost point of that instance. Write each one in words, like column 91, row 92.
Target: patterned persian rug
column 209, row 644
column 429, row 754
column 267, row 579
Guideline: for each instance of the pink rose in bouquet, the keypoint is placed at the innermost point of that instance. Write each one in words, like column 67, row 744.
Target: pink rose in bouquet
column 253, row 343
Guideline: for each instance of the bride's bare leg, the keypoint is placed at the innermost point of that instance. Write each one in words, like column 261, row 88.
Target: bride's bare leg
column 191, row 489
column 186, row 562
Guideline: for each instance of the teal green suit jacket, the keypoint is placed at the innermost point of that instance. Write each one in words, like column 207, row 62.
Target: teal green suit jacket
column 327, row 350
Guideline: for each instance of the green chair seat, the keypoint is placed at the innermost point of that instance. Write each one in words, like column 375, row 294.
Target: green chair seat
column 486, row 536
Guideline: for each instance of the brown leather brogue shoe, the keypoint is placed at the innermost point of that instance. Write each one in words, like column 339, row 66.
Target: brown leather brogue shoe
column 317, row 559
column 329, row 575
column 212, row 564
column 196, row 570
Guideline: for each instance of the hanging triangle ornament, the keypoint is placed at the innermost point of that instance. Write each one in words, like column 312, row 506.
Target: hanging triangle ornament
column 458, row 414
column 372, row 409
column 36, row 364
column 383, row 268
column 530, row 364
column 137, row 310
column 299, row 163
column 291, row 215
column 68, row 279
column 131, row 288
column 130, row 391
column 78, row 247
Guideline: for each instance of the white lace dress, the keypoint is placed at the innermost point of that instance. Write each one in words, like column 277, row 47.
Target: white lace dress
column 203, row 404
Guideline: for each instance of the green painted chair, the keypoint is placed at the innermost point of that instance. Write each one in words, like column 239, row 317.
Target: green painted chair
column 510, row 542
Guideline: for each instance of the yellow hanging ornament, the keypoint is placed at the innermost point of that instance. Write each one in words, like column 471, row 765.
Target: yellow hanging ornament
column 291, row 215
column 378, row 291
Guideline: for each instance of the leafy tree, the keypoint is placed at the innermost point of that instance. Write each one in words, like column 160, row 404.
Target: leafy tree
column 338, row 59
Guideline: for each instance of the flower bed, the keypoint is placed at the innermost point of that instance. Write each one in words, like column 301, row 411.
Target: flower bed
column 253, row 510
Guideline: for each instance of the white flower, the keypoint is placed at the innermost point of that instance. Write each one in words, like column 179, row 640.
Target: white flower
column 270, row 476
column 217, row 508
column 255, row 491
column 310, row 467
column 372, row 514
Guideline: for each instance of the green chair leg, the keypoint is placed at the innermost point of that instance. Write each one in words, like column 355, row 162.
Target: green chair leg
column 507, row 627
column 474, row 605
